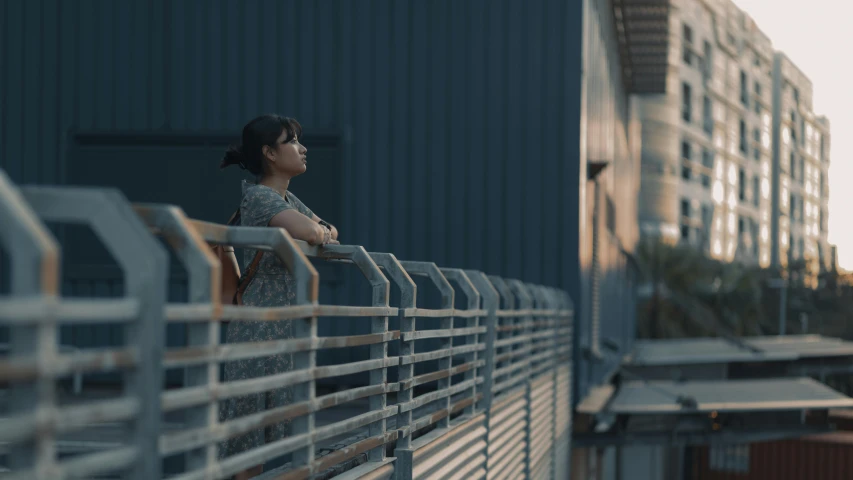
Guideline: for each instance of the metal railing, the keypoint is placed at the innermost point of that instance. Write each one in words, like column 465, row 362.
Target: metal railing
column 478, row 387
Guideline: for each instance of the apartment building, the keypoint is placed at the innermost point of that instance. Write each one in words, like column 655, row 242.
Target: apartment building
column 710, row 164
column 801, row 172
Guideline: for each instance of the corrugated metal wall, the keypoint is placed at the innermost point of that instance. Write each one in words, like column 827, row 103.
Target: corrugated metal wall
column 476, row 100
column 464, row 131
column 607, row 303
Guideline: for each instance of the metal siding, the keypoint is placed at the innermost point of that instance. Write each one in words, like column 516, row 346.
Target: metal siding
column 478, row 136
column 98, row 65
column 490, row 179
column 604, row 310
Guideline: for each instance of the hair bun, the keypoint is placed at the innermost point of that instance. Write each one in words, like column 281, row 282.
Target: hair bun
column 234, row 156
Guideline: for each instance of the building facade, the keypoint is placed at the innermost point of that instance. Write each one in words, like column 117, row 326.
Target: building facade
column 711, row 173
column 801, row 172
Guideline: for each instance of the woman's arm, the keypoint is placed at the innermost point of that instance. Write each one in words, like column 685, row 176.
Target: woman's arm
column 301, row 227
column 331, row 227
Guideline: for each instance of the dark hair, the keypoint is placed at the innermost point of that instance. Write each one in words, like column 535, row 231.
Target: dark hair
column 261, row 131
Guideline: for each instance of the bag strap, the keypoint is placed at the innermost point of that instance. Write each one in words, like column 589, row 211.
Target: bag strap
column 247, row 277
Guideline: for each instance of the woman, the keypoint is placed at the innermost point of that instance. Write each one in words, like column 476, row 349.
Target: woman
column 271, row 151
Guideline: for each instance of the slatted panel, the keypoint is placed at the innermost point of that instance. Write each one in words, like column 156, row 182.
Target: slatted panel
column 457, row 454
column 507, row 440
column 541, row 427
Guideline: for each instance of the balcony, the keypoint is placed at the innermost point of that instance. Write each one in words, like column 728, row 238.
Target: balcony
column 642, row 28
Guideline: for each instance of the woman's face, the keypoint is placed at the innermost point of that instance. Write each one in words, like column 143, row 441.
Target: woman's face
column 288, row 157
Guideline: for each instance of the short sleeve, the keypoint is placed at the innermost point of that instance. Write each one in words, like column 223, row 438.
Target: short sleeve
column 299, row 205
column 260, row 204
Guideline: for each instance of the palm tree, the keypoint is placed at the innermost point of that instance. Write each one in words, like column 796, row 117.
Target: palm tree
column 683, row 293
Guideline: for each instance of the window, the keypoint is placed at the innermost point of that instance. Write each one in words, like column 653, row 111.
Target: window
column 742, row 185
column 756, row 191
column 756, row 61
column 756, row 153
column 757, row 108
column 686, row 102
column 685, row 150
column 686, row 172
column 741, row 225
column 685, row 232
column 707, row 162
column 796, row 95
column 743, row 143
column 793, row 202
column 744, row 93
column 709, row 66
column 757, row 88
column 756, row 135
column 707, row 214
column 687, row 53
column 793, row 166
column 685, row 208
column 708, row 158
column 707, row 115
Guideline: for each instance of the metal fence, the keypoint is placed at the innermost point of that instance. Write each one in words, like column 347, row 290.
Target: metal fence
column 476, row 388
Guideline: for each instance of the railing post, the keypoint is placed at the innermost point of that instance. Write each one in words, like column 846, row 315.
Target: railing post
column 34, row 257
column 204, row 281
column 144, row 264
column 489, row 298
column 473, row 303
column 549, row 303
column 381, row 289
column 525, row 303
column 408, row 293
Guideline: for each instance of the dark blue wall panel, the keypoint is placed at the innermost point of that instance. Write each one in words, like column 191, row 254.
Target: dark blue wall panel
column 460, row 122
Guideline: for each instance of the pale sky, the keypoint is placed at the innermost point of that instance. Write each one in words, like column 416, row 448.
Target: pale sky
column 808, row 33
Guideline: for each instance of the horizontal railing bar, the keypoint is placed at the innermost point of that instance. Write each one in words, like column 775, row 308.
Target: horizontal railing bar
column 433, row 417
column 427, row 313
column 508, row 370
column 438, row 394
column 436, row 354
column 67, row 419
column 506, row 342
column 508, row 384
column 512, row 354
column 201, row 313
column 18, row 369
column 189, row 397
column 431, row 377
column 188, row 356
column 523, row 325
column 100, row 462
column 197, row 437
column 54, row 310
column 245, row 460
column 266, row 314
column 339, row 456
column 442, row 333
column 192, row 312
column 458, row 313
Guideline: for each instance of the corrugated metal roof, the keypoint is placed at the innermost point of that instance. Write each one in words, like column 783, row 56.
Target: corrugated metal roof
column 661, row 397
column 718, row 350
column 642, row 27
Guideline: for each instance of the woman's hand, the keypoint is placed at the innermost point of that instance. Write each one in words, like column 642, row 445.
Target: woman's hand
column 301, row 227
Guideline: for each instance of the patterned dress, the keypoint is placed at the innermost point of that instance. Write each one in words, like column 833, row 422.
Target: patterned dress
column 272, row 286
